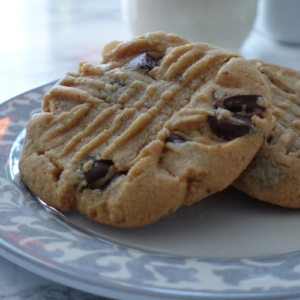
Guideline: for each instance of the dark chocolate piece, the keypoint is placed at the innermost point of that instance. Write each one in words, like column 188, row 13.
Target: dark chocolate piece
column 175, row 138
column 230, row 129
column 111, row 180
column 99, row 170
column 143, row 61
column 242, row 103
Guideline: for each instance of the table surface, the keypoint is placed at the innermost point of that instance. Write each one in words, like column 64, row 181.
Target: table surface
column 40, row 42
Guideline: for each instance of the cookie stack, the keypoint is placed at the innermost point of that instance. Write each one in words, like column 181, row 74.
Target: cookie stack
column 162, row 123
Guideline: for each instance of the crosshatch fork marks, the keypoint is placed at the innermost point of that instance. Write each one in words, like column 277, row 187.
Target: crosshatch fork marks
column 141, row 115
column 286, row 104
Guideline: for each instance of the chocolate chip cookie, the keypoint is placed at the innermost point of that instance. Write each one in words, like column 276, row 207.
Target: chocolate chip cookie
column 161, row 123
column 274, row 173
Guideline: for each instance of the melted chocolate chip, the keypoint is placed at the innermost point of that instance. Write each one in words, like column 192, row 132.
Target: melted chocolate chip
column 245, row 103
column 269, row 139
column 175, row 138
column 99, row 170
column 111, row 180
column 143, row 61
column 230, row 129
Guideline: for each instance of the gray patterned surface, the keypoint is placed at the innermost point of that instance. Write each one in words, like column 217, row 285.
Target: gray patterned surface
column 44, row 241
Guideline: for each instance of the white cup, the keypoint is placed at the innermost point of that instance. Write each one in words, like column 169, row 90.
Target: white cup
column 224, row 23
column 279, row 19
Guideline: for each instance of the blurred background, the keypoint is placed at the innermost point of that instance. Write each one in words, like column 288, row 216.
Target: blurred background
column 41, row 40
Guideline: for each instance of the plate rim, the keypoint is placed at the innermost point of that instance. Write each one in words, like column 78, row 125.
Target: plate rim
column 12, row 253
column 42, row 269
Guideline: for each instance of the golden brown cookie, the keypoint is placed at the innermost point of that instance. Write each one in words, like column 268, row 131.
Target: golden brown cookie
column 160, row 123
column 274, row 173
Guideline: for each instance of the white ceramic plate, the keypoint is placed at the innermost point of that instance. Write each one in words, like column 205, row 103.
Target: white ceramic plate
column 228, row 246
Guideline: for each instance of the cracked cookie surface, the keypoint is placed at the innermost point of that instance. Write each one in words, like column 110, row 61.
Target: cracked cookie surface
column 273, row 175
column 161, row 123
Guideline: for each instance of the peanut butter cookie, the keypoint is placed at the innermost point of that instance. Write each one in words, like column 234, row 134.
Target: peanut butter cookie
column 273, row 175
column 161, row 123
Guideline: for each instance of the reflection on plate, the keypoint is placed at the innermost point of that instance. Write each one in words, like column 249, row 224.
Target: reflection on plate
column 228, row 246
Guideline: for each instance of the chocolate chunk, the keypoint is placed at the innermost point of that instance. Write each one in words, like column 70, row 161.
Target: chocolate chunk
column 111, row 180
column 230, row 129
column 175, row 138
column 269, row 139
column 99, row 170
column 245, row 103
column 143, row 61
